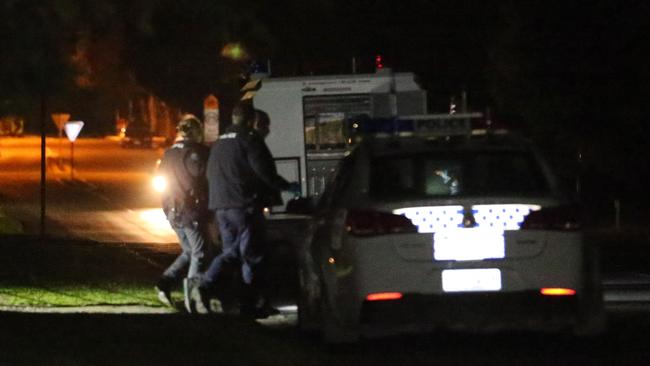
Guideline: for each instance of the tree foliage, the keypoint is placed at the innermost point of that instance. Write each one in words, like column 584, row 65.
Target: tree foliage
column 34, row 56
column 575, row 72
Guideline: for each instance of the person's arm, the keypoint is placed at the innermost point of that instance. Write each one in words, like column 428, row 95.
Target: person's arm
column 163, row 170
column 261, row 160
column 195, row 162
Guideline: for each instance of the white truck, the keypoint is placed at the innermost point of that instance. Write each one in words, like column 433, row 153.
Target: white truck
column 312, row 118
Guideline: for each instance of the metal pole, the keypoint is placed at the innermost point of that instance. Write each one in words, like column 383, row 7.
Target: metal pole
column 71, row 161
column 617, row 214
column 59, row 157
column 463, row 101
column 43, row 167
column 393, row 95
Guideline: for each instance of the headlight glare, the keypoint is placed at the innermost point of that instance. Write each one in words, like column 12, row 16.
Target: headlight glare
column 159, row 183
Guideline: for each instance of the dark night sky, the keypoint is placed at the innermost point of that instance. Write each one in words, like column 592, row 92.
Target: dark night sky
column 574, row 73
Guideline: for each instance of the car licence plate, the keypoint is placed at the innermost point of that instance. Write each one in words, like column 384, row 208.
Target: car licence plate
column 468, row 280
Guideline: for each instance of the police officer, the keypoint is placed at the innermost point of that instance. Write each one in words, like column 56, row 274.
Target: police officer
column 239, row 163
column 267, row 195
column 185, row 205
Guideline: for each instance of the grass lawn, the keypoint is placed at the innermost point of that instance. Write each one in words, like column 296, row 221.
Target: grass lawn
column 57, row 273
column 9, row 225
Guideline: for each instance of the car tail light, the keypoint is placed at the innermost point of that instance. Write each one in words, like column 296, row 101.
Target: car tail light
column 557, row 291
column 384, row 296
column 369, row 223
column 553, row 218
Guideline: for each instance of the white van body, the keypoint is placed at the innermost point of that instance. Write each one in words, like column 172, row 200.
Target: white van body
column 310, row 118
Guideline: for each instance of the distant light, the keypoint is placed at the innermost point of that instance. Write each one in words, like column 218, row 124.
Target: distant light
column 379, row 64
column 452, row 106
column 234, row 51
column 384, row 296
column 331, row 260
column 557, row 291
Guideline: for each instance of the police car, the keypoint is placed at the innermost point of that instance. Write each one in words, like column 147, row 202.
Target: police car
column 430, row 224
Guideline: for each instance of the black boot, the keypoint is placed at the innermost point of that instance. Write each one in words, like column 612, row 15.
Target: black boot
column 255, row 306
column 263, row 309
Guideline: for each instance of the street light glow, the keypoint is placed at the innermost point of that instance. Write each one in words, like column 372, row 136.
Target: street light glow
column 234, row 51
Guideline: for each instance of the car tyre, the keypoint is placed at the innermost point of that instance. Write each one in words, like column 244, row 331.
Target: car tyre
column 333, row 332
column 592, row 319
column 308, row 313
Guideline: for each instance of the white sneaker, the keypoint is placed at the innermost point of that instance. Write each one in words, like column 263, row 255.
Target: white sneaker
column 165, row 297
column 190, row 304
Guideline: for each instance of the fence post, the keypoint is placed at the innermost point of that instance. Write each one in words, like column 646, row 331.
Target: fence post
column 617, row 214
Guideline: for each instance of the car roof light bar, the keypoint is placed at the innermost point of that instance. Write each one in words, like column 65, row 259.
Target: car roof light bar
column 426, row 125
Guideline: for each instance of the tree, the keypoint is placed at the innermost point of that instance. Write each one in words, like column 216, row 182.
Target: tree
column 35, row 60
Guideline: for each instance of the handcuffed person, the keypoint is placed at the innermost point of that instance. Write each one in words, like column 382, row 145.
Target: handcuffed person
column 185, row 205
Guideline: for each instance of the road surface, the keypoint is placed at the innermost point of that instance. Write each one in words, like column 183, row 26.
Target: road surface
column 108, row 197
column 109, row 200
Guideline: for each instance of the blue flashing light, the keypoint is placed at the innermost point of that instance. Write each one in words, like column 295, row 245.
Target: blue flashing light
column 257, row 68
column 429, row 126
column 391, row 126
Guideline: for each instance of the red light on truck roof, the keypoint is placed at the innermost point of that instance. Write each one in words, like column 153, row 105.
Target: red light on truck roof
column 379, row 63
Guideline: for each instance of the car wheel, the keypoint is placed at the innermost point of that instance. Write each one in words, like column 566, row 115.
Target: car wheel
column 308, row 308
column 592, row 319
column 333, row 332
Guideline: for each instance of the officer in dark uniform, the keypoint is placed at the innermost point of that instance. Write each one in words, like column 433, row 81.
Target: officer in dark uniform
column 238, row 165
column 267, row 195
column 185, row 205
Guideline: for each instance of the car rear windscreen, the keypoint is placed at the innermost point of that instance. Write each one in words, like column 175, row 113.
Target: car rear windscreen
column 461, row 173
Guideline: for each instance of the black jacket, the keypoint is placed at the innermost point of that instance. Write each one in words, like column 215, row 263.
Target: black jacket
column 185, row 199
column 241, row 170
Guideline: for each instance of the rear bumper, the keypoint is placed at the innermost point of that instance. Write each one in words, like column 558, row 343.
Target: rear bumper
column 474, row 312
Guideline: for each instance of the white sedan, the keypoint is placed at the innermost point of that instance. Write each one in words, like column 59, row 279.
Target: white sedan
column 468, row 233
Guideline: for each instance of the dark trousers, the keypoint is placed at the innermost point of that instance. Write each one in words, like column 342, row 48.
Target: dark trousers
column 242, row 236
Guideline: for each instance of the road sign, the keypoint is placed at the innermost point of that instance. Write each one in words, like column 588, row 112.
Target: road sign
column 72, row 129
column 60, row 119
column 210, row 119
